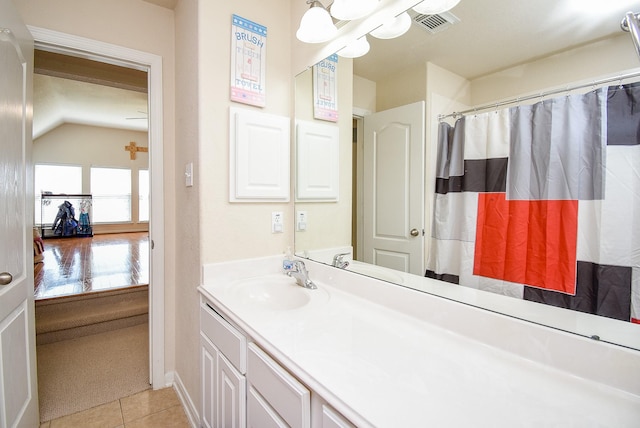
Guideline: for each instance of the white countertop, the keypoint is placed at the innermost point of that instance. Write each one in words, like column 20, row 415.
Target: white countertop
column 391, row 365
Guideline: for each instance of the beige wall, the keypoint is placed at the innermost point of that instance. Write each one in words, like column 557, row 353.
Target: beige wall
column 142, row 26
column 89, row 146
column 364, row 94
column 235, row 230
column 402, row 88
column 222, row 230
column 603, row 58
column 188, row 131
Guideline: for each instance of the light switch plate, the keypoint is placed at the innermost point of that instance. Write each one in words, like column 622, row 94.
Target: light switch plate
column 301, row 221
column 188, row 174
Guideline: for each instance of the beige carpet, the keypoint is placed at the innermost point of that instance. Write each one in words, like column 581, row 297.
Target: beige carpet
column 78, row 374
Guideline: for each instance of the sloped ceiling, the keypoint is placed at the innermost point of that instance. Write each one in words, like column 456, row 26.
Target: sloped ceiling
column 76, row 90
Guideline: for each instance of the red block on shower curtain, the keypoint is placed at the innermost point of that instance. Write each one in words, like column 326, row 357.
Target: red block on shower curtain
column 527, row 242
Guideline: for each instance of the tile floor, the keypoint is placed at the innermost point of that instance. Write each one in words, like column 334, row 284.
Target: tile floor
column 81, row 265
column 157, row 409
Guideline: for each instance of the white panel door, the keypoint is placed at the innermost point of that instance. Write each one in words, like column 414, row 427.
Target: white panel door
column 394, row 188
column 209, row 383
column 18, row 383
column 232, row 396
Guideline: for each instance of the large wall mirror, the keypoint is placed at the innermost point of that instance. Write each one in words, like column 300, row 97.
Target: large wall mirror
column 496, row 53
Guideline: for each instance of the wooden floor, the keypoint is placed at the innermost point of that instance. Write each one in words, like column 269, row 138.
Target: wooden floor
column 83, row 265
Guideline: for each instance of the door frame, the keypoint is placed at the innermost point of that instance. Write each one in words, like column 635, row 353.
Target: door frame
column 92, row 49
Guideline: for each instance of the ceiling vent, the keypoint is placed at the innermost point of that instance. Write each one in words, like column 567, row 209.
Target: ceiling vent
column 436, row 23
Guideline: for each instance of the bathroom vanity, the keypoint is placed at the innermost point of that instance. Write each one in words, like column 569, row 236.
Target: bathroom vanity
column 358, row 351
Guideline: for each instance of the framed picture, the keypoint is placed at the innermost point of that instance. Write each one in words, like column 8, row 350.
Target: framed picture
column 248, row 61
column 325, row 89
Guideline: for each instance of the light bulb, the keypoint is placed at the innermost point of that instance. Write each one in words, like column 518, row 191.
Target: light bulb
column 316, row 25
column 355, row 49
column 393, row 28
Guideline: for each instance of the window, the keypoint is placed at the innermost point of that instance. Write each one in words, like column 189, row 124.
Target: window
column 111, row 190
column 143, row 195
column 55, row 179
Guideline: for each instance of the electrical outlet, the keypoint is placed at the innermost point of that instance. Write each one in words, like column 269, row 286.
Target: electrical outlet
column 277, row 222
column 301, row 221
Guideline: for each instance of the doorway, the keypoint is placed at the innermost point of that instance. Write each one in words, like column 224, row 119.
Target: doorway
column 91, row 286
column 152, row 64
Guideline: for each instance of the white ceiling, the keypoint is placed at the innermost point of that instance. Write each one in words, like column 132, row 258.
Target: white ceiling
column 497, row 34
column 492, row 35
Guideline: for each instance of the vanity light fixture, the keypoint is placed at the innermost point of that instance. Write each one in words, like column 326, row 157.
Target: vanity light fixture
column 347, row 10
column 393, row 28
column 316, row 25
column 433, row 7
column 355, row 49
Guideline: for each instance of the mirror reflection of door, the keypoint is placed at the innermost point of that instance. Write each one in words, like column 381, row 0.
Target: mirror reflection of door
column 393, row 199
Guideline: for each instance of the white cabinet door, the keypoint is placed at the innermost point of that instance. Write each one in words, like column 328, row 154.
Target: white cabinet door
column 232, row 404
column 209, row 383
column 18, row 381
column 258, row 156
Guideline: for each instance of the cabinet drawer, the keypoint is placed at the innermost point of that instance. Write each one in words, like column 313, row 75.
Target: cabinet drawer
column 285, row 394
column 332, row 419
column 260, row 414
column 229, row 341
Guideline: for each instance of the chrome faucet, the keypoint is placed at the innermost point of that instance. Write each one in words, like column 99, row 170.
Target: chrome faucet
column 339, row 261
column 297, row 269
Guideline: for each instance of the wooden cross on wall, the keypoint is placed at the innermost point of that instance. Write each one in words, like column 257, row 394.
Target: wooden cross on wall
column 133, row 149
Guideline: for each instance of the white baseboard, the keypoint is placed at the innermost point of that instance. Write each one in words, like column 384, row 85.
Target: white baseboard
column 189, row 408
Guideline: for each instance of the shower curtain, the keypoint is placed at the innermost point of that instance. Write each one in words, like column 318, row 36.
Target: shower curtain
column 541, row 202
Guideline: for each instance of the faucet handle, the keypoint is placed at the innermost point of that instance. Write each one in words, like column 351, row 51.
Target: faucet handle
column 338, row 260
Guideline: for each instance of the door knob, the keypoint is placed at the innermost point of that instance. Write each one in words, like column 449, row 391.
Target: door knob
column 5, row 278
column 414, row 232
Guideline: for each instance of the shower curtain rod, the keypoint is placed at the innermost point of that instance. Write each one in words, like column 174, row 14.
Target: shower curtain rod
column 517, row 100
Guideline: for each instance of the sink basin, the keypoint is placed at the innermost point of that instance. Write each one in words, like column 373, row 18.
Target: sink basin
column 273, row 293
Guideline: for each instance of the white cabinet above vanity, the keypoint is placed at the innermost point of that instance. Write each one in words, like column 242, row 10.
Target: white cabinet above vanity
column 362, row 352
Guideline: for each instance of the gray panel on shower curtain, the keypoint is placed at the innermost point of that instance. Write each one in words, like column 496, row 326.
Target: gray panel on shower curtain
column 623, row 115
column 557, row 149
